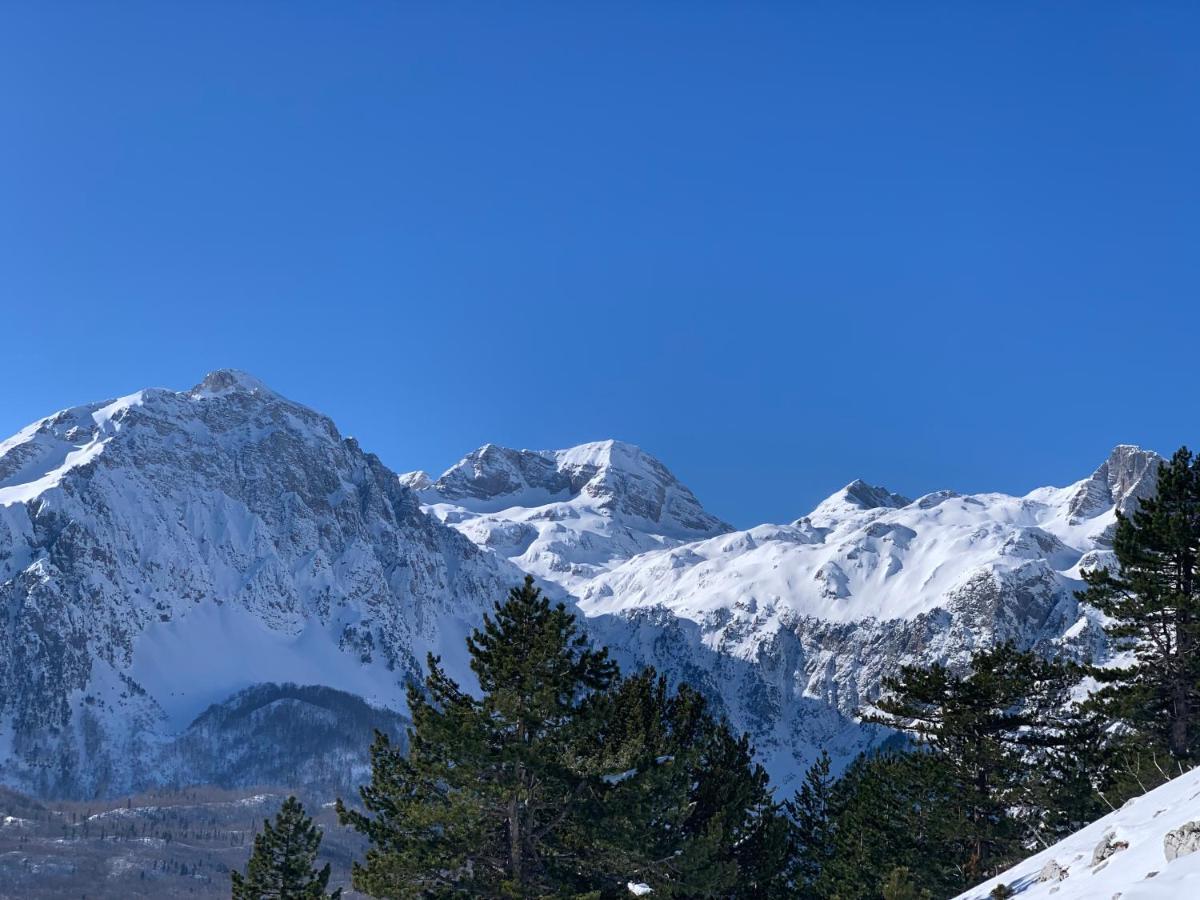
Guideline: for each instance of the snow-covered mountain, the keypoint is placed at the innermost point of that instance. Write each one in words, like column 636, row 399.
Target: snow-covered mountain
column 1146, row 850
column 793, row 626
column 163, row 551
column 179, row 568
column 566, row 515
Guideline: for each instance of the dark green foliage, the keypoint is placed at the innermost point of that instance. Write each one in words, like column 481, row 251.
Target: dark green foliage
column 735, row 819
column 482, row 803
column 900, row 886
column 282, row 865
column 1153, row 601
column 811, row 812
column 893, row 810
column 1002, row 735
column 563, row 780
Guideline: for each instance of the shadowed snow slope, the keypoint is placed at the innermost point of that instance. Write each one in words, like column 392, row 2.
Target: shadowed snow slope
column 1072, row 869
column 163, row 551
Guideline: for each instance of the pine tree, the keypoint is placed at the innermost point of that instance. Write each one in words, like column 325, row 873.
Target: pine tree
column 810, row 810
column 731, row 800
column 889, row 810
column 687, row 810
column 900, row 886
column 486, row 793
column 282, row 864
column 1153, row 601
column 1001, row 732
column 562, row 779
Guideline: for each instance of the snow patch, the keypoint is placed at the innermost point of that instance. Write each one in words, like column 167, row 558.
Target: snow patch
column 1124, row 854
column 215, row 650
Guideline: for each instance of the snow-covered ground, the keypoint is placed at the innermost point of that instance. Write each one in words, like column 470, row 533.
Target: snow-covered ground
column 1122, row 856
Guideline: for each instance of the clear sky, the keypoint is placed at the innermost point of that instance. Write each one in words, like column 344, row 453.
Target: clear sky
column 780, row 245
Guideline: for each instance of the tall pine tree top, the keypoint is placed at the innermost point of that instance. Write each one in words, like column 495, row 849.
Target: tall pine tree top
column 283, row 863
column 986, row 728
column 532, row 662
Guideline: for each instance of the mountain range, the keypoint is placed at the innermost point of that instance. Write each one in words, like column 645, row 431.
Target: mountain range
column 191, row 580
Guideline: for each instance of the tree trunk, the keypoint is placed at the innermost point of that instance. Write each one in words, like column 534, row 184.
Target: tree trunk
column 514, row 814
column 1179, row 739
column 514, row 840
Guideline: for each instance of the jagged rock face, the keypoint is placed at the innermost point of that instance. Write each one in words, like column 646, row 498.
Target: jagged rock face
column 614, row 476
column 854, row 498
column 566, row 515
column 1052, row 871
column 1127, row 476
column 1181, row 841
column 161, row 551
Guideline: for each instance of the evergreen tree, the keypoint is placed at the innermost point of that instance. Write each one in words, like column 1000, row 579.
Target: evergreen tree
column 900, row 886
column 731, row 806
column 563, row 780
column 282, row 865
column 687, row 810
column 481, row 802
column 1153, row 601
column 890, row 810
column 1002, row 734
column 810, row 810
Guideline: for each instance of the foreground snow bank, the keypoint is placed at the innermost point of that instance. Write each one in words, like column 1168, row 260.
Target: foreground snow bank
column 1143, row 850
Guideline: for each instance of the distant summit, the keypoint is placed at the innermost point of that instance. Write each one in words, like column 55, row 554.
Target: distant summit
column 566, row 514
column 227, row 381
column 1128, row 475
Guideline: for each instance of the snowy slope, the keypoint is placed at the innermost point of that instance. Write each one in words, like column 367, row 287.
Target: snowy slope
column 793, row 626
column 866, row 553
column 160, row 552
column 566, row 515
column 1073, row 869
column 824, row 608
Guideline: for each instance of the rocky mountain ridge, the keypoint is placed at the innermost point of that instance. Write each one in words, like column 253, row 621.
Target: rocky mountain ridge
column 177, row 568
column 565, row 515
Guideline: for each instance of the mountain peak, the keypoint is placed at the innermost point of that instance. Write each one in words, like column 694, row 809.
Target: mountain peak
column 868, row 496
column 417, row 480
column 856, row 497
column 609, row 476
column 1125, row 477
column 532, row 477
column 229, row 381
column 566, row 515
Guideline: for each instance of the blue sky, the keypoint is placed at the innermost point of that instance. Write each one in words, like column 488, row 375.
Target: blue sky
column 779, row 245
